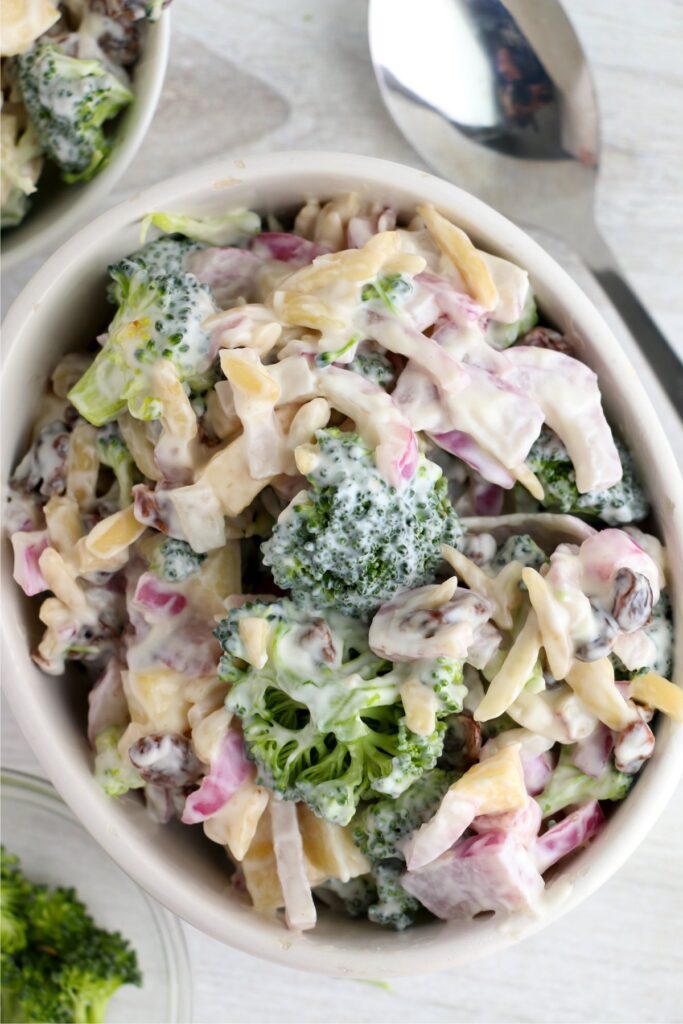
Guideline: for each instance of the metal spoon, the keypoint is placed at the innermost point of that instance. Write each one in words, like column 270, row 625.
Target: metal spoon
column 498, row 97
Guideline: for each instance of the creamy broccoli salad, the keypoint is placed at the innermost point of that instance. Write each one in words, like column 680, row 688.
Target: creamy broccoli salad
column 65, row 72
column 352, row 559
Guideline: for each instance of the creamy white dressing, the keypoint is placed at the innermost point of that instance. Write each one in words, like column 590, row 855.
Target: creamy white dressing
column 454, row 380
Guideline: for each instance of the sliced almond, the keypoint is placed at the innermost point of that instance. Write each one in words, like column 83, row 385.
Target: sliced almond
column 114, row 534
column 249, row 375
column 459, row 249
column 659, row 693
column 254, row 633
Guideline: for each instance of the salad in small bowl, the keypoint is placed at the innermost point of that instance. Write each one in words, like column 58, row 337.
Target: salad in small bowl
column 80, row 81
column 327, row 523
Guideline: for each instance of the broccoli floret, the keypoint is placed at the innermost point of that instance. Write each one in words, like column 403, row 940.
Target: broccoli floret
column 378, row 896
column 31, row 989
column 21, row 161
column 568, row 785
column 160, row 316
column 68, row 101
column 660, row 631
column 230, row 228
column 373, row 364
column 114, row 774
column 519, row 548
column 357, row 895
column 321, row 721
column 504, row 335
column 67, row 968
column 380, row 828
column 95, row 970
column 387, row 290
column 164, row 257
column 14, row 892
column 395, row 908
column 445, row 677
column 624, row 502
column 174, row 560
column 351, row 540
column 113, row 452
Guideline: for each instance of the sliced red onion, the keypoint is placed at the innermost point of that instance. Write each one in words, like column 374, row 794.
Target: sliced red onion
column 227, row 773
column 300, row 912
column 487, row 499
column 568, row 835
column 524, row 822
column 486, row 872
column 466, row 448
column 591, row 755
column 161, row 598
column 286, row 248
column 28, row 547
column 537, row 770
column 457, row 306
column 229, row 272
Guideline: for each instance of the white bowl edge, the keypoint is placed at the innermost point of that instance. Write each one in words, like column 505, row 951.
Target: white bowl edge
column 337, row 947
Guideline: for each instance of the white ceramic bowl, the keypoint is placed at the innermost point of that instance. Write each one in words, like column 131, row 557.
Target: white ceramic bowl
column 57, row 208
column 61, row 309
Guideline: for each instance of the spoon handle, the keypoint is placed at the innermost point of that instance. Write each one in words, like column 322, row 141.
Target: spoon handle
column 664, row 361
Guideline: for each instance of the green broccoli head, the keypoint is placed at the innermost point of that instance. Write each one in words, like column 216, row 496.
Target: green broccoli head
column 94, row 971
column 351, row 541
column 379, row 896
column 67, row 968
column 395, row 908
column 164, row 257
column 356, row 896
column 322, row 717
column 114, row 774
column 14, row 893
column 174, row 560
column 380, row 827
column 520, row 547
column 373, row 364
column 389, row 290
column 160, row 316
column 113, row 452
column 624, row 502
column 68, row 101
column 568, row 785
column 445, row 677
column 31, row 989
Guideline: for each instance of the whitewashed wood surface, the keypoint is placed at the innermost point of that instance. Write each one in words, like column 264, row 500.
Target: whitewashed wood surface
column 258, row 75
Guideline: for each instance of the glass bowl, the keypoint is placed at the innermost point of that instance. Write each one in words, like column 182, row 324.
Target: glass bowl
column 54, row 848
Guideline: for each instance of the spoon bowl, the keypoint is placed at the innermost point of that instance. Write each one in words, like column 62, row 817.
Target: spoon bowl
column 497, row 96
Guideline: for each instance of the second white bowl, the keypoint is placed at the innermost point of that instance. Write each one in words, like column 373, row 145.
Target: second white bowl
column 61, row 208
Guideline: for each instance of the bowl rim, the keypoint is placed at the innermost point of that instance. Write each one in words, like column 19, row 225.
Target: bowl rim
column 132, row 853
column 156, row 51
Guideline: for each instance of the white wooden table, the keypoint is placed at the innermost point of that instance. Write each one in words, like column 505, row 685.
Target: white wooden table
column 250, row 76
